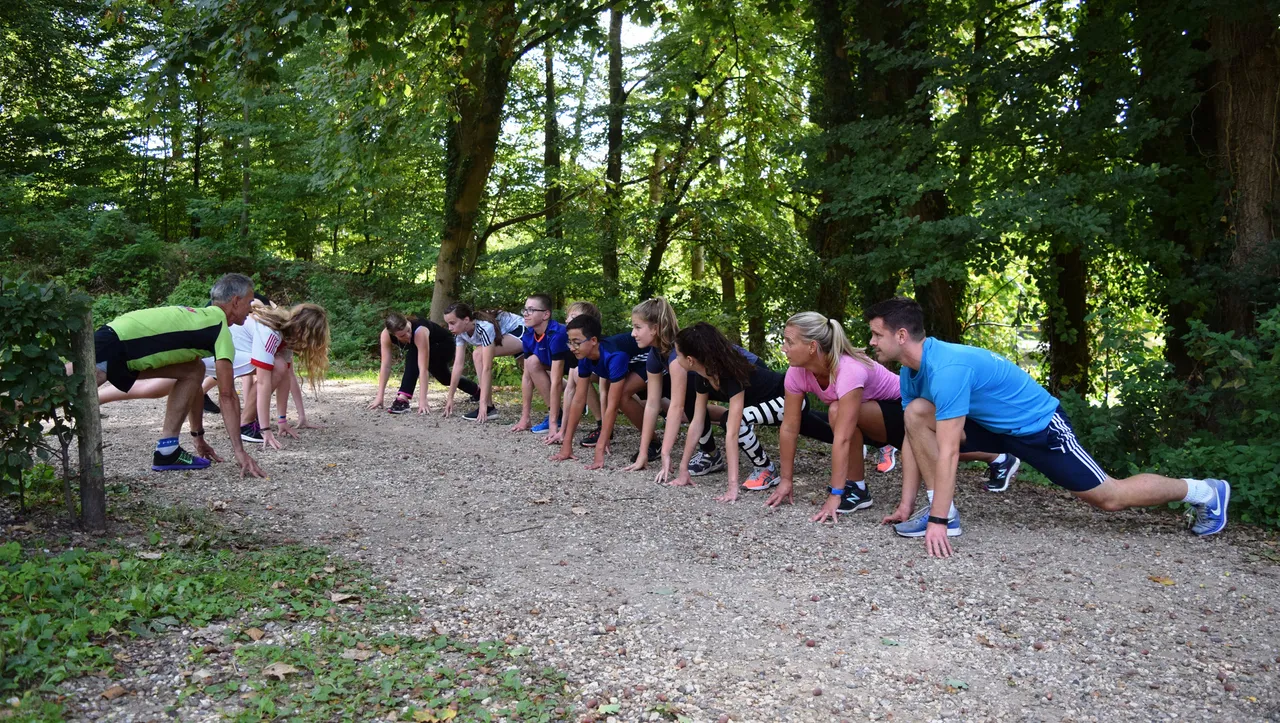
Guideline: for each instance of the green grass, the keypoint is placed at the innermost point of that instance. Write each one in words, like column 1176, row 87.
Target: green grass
column 59, row 610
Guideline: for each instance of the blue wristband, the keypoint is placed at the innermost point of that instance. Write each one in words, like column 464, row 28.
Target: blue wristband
column 835, row 491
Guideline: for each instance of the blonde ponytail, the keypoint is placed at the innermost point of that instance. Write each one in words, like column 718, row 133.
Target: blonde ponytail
column 829, row 335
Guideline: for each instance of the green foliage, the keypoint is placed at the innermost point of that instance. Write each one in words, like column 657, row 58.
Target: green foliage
column 1220, row 425
column 37, row 325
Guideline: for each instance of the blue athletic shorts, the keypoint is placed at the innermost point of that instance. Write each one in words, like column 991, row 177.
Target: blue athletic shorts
column 1054, row 452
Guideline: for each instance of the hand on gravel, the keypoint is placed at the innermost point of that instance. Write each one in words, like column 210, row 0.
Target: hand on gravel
column 594, row 464
column 828, row 511
column 521, row 425
column 638, row 465
column 204, row 450
column 664, row 471
column 555, row 437
column 902, row 514
column 784, row 493
column 936, row 541
column 562, row 456
column 285, row 430
column 376, row 404
column 684, row 480
column 448, row 407
column 424, row 408
column 248, row 467
column 269, row 440
column 730, row 494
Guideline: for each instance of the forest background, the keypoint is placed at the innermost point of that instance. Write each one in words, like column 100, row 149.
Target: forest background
column 1088, row 187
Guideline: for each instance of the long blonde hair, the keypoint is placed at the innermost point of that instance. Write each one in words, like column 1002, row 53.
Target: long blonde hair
column 830, row 338
column 304, row 329
column 658, row 313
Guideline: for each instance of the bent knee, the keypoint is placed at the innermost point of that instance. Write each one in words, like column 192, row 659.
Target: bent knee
column 919, row 410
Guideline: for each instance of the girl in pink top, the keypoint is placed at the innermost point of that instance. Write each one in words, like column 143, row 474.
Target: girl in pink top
column 852, row 385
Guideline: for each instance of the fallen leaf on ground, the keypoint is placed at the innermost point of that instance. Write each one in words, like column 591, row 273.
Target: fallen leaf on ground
column 430, row 716
column 330, row 569
column 357, row 654
column 957, row 684
column 278, row 670
column 1162, row 580
column 340, row 597
column 150, row 555
column 389, row 649
column 114, row 692
column 887, row 641
column 665, row 591
column 254, row 634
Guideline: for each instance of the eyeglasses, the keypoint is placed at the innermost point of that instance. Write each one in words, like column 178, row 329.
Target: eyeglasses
column 575, row 343
column 530, row 310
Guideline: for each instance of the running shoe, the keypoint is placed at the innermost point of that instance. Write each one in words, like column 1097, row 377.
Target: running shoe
column 854, row 499
column 592, row 437
column 1209, row 519
column 1000, row 476
column 211, row 406
column 251, row 432
column 888, row 459
column 706, row 463
column 542, row 427
column 178, row 459
column 761, row 479
column 919, row 522
column 655, row 451
column 474, row 415
column 399, row 406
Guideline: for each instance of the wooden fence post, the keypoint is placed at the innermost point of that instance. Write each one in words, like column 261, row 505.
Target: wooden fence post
column 93, row 490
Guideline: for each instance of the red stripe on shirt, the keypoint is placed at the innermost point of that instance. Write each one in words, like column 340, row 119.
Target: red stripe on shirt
column 262, row 364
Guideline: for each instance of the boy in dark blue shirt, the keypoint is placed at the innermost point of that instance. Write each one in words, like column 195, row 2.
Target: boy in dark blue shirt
column 546, row 357
column 612, row 367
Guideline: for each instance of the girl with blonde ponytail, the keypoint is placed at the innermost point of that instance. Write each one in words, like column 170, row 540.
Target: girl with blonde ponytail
column 863, row 398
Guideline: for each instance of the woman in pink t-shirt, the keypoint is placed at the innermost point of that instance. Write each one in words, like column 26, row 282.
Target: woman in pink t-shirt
column 854, row 387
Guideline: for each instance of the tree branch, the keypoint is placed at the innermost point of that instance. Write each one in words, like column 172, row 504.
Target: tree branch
column 544, row 37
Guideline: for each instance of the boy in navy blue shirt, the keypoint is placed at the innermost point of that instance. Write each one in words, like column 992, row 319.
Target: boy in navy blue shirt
column 546, row 357
column 612, row 367
column 959, row 398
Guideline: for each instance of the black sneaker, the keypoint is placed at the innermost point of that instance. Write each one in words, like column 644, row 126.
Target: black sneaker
column 474, row 415
column 592, row 437
column 706, row 463
column 655, row 451
column 251, row 432
column 399, row 406
column 178, row 459
column 1000, row 476
column 211, row 406
column 854, row 499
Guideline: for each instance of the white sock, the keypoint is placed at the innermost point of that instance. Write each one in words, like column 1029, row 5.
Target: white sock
column 167, row 445
column 998, row 460
column 950, row 513
column 862, row 485
column 1199, row 492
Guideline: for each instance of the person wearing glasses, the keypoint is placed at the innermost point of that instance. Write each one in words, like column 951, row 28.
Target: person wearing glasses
column 613, row 368
column 546, row 357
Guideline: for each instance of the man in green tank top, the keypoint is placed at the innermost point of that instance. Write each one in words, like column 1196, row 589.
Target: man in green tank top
column 169, row 342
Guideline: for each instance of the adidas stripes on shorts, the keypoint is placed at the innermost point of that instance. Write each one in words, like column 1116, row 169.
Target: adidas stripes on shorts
column 1054, row 451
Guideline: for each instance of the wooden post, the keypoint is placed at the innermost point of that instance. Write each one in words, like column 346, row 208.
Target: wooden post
column 93, row 491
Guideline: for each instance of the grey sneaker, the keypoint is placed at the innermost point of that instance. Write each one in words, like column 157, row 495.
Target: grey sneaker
column 703, row 463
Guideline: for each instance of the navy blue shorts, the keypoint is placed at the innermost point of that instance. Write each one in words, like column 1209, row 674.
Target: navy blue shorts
column 1054, row 451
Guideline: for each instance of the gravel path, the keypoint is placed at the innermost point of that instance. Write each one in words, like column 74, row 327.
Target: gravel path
column 667, row 601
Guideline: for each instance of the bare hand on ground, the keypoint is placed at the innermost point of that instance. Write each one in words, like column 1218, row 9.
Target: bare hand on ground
column 204, row 450
column 784, row 493
column 936, row 541
column 829, row 511
column 248, row 467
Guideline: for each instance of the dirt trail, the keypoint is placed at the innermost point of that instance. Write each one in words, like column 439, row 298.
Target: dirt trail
column 669, row 601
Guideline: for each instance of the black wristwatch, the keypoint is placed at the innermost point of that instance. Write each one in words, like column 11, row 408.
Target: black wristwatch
column 197, row 433
column 939, row 520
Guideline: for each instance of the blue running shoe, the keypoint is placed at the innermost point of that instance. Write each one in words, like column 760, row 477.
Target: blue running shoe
column 542, row 427
column 1211, row 518
column 919, row 522
column 179, row 459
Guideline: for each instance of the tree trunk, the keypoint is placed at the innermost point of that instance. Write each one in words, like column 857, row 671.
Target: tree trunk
column 1066, row 297
column 551, row 149
column 197, row 147
column 93, row 492
column 832, row 107
column 244, row 181
column 729, row 299
column 755, row 307
column 472, row 143
column 613, row 158
column 1245, row 94
column 580, row 115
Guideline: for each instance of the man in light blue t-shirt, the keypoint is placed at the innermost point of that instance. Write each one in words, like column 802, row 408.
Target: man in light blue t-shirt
column 961, row 398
